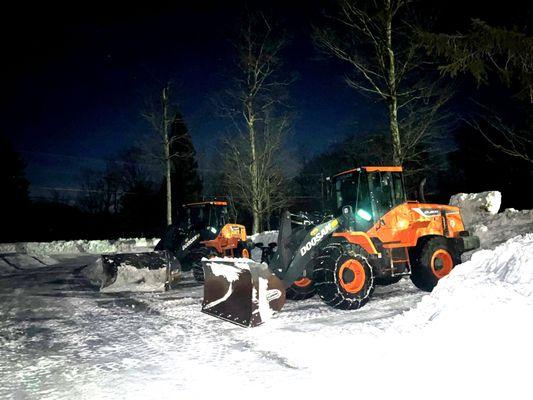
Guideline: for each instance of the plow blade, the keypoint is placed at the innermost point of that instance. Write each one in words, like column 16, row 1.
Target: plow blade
column 150, row 271
column 241, row 291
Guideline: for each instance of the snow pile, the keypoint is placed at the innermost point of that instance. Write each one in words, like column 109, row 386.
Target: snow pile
column 496, row 229
column 481, row 218
column 121, row 245
column 469, row 337
column 477, row 323
column 128, row 278
column 480, row 287
column 265, row 238
column 476, row 206
column 132, row 279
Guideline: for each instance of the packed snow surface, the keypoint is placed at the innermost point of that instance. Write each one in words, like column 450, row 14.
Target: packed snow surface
column 469, row 338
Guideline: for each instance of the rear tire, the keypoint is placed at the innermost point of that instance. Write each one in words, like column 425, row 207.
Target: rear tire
column 300, row 290
column 431, row 261
column 343, row 277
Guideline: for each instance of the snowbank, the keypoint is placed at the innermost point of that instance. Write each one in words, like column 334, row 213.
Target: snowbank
column 476, row 206
column 481, row 218
column 266, row 237
column 470, row 337
column 81, row 246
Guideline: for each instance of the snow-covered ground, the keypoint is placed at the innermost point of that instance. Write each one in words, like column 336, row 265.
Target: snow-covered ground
column 469, row 338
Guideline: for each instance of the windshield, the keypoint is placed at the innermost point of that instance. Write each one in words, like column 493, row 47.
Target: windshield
column 219, row 216
column 197, row 216
column 352, row 190
column 387, row 191
column 207, row 215
column 345, row 188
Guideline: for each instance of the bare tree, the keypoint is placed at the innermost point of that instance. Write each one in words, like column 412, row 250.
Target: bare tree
column 375, row 40
column 101, row 190
column 268, row 194
column 161, row 115
column 509, row 140
column 251, row 152
column 481, row 51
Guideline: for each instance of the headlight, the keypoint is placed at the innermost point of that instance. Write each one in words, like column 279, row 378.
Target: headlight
column 213, row 230
column 364, row 214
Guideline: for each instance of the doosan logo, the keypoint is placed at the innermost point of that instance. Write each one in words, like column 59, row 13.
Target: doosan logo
column 190, row 241
column 318, row 237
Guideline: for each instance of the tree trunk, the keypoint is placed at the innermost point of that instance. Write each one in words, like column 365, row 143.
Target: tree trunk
column 166, row 140
column 393, row 96
column 169, row 192
column 256, row 206
column 257, row 222
column 395, row 132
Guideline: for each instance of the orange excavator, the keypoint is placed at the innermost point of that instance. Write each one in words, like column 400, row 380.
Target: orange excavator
column 374, row 236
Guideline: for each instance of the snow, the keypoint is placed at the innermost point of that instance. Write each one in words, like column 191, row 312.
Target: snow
column 476, row 206
column 266, row 237
column 122, row 245
column 469, row 338
column 128, row 279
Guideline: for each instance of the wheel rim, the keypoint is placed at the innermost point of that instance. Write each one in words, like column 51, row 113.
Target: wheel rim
column 245, row 253
column 352, row 276
column 303, row 282
column 441, row 263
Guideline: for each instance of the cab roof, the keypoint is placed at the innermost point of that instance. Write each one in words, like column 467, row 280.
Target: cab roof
column 205, row 203
column 371, row 169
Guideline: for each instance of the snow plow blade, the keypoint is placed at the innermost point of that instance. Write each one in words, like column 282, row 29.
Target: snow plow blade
column 241, row 291
column 157, row 268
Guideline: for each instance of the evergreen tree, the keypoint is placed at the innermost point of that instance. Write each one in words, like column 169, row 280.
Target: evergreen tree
column 186, row 182
column 14, row 199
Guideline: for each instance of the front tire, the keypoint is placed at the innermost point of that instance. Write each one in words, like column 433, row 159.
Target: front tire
column 196, row 256
column 343, row 277
column 300, row 290
column 430, row 262
column 389, row 280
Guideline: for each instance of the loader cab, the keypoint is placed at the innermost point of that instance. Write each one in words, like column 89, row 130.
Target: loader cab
column 206, row 215
column 366, row 194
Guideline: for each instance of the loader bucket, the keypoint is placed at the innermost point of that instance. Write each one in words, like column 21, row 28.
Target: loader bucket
column 155, row 270
column 241, row 291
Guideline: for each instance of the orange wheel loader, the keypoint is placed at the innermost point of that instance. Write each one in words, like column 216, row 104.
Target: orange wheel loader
column 374, row 237
column 202, row 231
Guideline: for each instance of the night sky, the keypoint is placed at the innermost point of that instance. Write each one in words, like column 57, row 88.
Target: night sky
column 76, row 77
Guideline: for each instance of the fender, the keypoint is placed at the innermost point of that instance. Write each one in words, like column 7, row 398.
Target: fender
column 359, row 238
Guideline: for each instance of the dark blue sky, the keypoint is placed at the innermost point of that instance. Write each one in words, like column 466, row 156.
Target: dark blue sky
column 77, row 79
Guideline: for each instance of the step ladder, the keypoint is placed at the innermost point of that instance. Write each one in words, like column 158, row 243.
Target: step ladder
column 399, row 261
